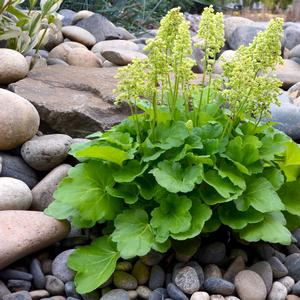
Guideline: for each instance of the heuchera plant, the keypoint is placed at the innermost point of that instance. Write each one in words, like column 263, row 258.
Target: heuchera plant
column 189, row 159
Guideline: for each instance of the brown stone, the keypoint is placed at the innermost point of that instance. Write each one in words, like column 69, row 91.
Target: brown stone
column 73, row 100
column 80, row 35
column 24, row 232
column 122, row 57
column 83, row 58
column 288, row 73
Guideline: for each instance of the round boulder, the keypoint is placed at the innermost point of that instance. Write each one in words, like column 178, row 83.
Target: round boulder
column 61, row 51
column 14, row 194
column 81, row 57
column 19, row 121
column 13, row 66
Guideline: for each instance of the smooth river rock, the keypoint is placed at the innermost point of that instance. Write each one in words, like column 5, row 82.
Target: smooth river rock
column 43, row 153
column 19, row 121
column 43, row 192
column 24, row 232
column 80, row 35
column 13, row 66
column 122, row 57
column 115, row 44
column 14, row 194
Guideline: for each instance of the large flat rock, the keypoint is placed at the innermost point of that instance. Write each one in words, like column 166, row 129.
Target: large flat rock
column 73, row 100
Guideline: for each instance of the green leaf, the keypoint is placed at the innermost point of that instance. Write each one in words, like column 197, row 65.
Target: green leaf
column 236, row 219
column 107, row 153
column 273, row 145
column 133, row 233
column 174, row 178
column 271, row 229
column 94, row 264
column 127, row 191
column 293, row 222
column 222, row 185
column 290, row 196
column 122, row 139
column 84, row 190
column 274, row 176
column 129, row 171
column 187, row 248
column 146, row 185
column 292, row 156
column 213, row 223
column 162, row 247
column 200, row 213
column 260, row 194
column 172, row 216
column 229, row 171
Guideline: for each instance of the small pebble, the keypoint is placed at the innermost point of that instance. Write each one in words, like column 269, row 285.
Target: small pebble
column 132, row 295
column 125, row 266
column 232, row 298
column 218, row 286
column 46, row 266
column 70, row 290
column 157, row 277
column 236, row 266
column 15, row 274
column 17, row 285
column 143, row 292
column 292, row 297
column 54, row 285
column 3, row 289
column 278, row 268
column 264, row 270
column 60, row 268
column 278, row 292
column 288, row 282
column 39, row 279
column 187, row 280
column 152, row 258
column 198, row 270
column 141, row 272
column 292, row 263
column 24, row 295
column 38, row 294
column 116, row 294
column 175, row 292
column 125, row 281
column 158, row 294
column 212, row 270
column 200, row 296
column 217, row 297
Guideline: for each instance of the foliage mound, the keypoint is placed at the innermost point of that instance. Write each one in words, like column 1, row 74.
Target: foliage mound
column 196, row 157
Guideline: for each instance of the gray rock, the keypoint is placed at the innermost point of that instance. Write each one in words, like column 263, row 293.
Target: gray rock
column 291, row 37
column 217, row 297
column 70, row 290
column 60, row 268
column 46, row 152
column 15, row 167
column 17, row 285
column 265, row 251
column 250, row 286
column 152, row 258
column 296, row 60
column 278, row 268
column 232, row 23
column 117, row 294
column 296, row 233
column 264, row 270
column 296, row 289
column 278, row 292
column 288, row 282
column 54, row 285
column 157, row 277
column 101, row 28
column 243, row 35
column 211, row 254
column 187, row 280
column 292, row 263
column 79, row 35
column 288, row 73
column 295, row 52
column 67, row 15
column 39, row 279
column 43, row 192
column 125, row 281
column 218, row 286
column 56, row 61
column 175, row 292
column 7, row 274
column 14, row 194
column 94, row 295
column 3, row 290
column 70, row 102
column 236, row 266
column 24, row 295
column 122, row 57
column 158, row 294
column 198, row 270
